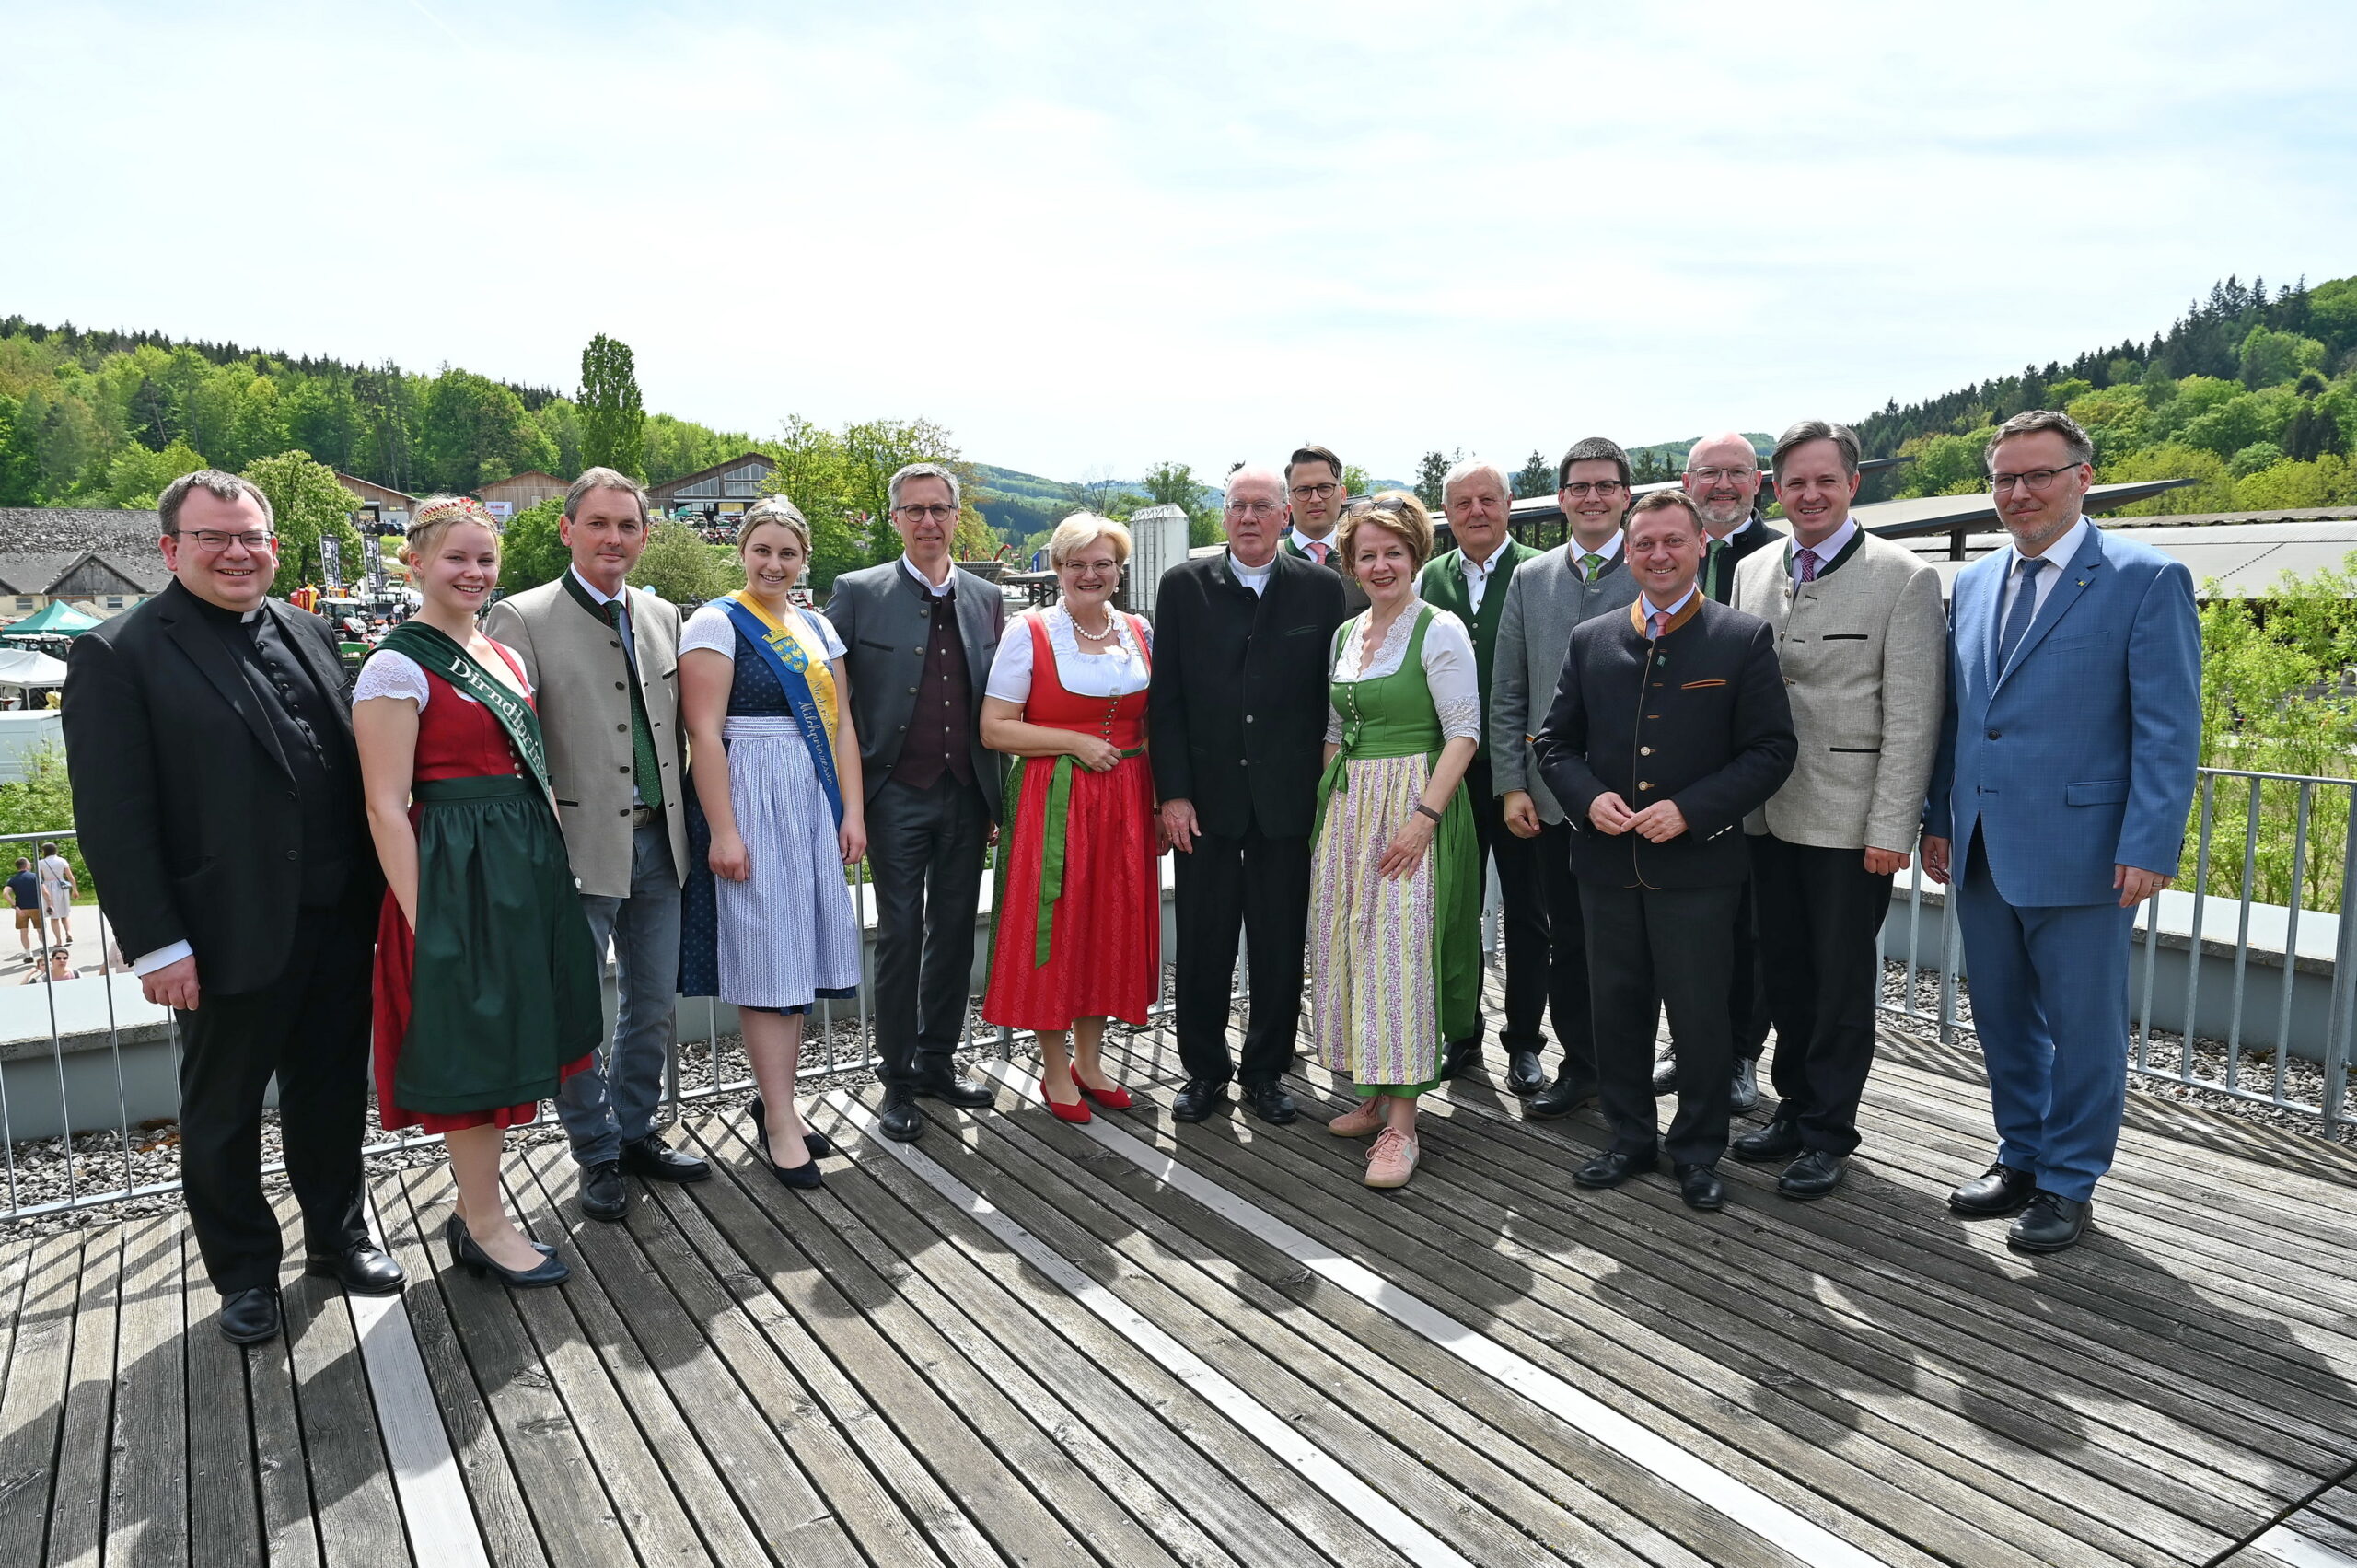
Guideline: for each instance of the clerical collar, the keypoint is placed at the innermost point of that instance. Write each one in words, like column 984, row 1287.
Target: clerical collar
column 220, row 615
column 1252, row 573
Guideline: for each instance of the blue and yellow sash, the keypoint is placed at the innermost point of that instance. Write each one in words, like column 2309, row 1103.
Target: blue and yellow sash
column 808, row 681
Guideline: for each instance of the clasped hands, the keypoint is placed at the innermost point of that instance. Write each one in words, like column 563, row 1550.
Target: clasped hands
column 1657, row 823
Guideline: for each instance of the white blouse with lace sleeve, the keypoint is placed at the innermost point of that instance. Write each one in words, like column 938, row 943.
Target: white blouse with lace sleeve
column 391, row 674
column 1450, row 670
column 712, row 629
column 1116, row 672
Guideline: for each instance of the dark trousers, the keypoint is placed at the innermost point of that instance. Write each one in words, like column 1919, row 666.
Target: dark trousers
column 1820, row 923
column 1260, row 885
column 1746, row 980
column 308, row 1027
column 1567, row 988
column 1522, row 914
column 1649, row 948
column 925, row 853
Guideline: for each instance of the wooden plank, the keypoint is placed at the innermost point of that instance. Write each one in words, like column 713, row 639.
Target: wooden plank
column 16, row 1264
column 40, row 1362
column 148, row 1501
column 571, row 1512
column 290, row 1530
column 496, row 1498
column 735, row 1483
column 77, row 1495
column 351, row 1482
column 225, row 1520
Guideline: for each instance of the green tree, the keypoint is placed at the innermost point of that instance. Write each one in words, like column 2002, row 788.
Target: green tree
column 2270, row 358
column 530, row 549
column 1431, row 469
column 19, row 463
column 473, row 431
column 2329, row 480
column 613, row 420
column 2212, row 489
column 43, row 802
column 680, row 566
column 1174, row 484
column 1536, row 478
column 309, row 504
column 137, row 476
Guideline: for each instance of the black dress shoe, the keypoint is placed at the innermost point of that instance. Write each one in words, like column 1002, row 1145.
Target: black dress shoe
column 1562, row 1097
column 819, row 1143
column 603, row 1196
column 1813, row 1174
column 1665, row 1075
column 651, row 1159
column 1612, row 1168
column 1524, row 1075
column 900, row 1120
column 950, row 1089
column 1743, row 1094
column 363, row 1267
column 250, row 1317
column 1994, row 1193
column 1269, row 1103
column 1198, row 1100
column 1779, row 1140
column 2050, row 1223
column 1701, row 1187
column 549, row 1270
column 1461, row 1057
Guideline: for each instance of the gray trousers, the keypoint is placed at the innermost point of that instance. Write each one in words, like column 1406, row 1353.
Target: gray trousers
column 613, row 1101
column 924, row 849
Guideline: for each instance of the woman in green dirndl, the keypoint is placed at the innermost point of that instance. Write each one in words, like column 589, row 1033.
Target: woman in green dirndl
column 1395, row 898
column 486, row 985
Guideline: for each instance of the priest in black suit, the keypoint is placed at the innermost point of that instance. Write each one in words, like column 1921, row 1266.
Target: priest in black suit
column 1669, row 726
column 1236, row 721
column 217, row 792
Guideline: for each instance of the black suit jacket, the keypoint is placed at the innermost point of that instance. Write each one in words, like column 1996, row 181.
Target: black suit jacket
column 182, row 797
column 1757, row 536
column 1699, row 717
column 1236, row 713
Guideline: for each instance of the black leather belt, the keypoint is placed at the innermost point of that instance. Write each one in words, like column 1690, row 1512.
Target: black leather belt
column 644, row 816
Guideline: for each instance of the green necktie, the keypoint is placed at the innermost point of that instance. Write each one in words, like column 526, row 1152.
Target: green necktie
column 1711, row 567
column 1589, row 566
column 646, row 773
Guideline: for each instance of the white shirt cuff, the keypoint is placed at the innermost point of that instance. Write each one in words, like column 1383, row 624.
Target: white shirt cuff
column 148, row 963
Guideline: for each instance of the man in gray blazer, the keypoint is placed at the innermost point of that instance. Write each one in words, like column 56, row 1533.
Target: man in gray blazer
column 919, row 636
column 604, row 662
column 1863, row 639
column 1544, row 599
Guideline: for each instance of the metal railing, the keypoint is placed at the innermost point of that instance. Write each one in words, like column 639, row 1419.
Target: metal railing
column 2269, row 851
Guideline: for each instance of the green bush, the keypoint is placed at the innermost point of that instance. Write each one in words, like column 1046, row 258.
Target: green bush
column 41, row 802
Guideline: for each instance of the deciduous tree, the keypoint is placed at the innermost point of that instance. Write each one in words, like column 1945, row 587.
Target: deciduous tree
column 309, row 504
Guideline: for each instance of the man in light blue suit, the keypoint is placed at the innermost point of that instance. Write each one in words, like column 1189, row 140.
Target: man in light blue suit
column 2057, row 803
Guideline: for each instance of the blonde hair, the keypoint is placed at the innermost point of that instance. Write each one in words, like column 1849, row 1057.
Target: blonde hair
column 779, row 510
column 437, row 515
column 1396, row 513
column 1085, row 529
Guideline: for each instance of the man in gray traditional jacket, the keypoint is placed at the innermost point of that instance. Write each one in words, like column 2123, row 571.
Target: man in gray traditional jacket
column 1863, row 639
column 1544, row 599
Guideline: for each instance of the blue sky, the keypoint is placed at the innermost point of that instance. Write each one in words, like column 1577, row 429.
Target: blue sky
column 1087, row 239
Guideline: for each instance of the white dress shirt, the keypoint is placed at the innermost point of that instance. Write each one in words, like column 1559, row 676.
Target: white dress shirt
column 937, row 589
column 1477, row 575
column 2057, row 555
column 1302, row 542
column 1832, row 545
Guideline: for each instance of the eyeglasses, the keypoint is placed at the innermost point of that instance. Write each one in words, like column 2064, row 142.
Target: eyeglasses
column 1583, row 490
column 2040, row 480
column 1100, row 567
column 1313, row 491
column 935, row 514
column 213, row 543
column 1395, row 504
column 1713, row 476
column 1255, row 508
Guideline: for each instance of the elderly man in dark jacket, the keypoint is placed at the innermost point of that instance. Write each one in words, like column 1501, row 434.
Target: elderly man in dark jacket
column 1669, row 726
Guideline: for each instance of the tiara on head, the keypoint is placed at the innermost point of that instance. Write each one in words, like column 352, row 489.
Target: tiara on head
column 447, row 510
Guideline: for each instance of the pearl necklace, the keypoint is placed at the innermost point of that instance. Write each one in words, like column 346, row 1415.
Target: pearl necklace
column 1092, row 636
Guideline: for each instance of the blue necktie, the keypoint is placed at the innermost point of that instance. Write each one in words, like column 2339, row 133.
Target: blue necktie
column 2024, row 611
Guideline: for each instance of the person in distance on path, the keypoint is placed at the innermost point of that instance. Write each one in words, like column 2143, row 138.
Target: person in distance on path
column 2066, row 765
column 1862, row 640
column 1669, row 726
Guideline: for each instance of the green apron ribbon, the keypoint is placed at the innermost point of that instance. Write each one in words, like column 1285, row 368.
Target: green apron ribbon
column 1052, row 865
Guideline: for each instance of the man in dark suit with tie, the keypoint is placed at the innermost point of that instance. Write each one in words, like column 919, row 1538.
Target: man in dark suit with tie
column 919, row 636
column 217, row 790
column 1669, row 726
column 1314, row 487
column 1236, row 718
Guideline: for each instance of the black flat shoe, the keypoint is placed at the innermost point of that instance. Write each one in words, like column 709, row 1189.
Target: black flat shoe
column 363, row 1267
column 1701, row 1187
column 651, row 1159
column 1778, row 1141
column 1461, row 1057
column 819, row 1143
column 900, row 1120
column 1198, row 1100
column 1561, row 1098
column 1524, row 1077
column 1269, row 1103
column 1994, row 1193
column 250, row 1317
column 951, row 1089
column 2049, row 1224
column 1612, row 1168
column 550, row 1270
column 1813, row 1174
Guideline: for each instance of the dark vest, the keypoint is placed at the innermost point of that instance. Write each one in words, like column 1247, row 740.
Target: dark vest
column 301, row 719
column 941, row 726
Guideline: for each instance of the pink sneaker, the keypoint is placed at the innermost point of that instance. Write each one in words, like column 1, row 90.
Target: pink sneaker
column 1358, row 1123
column 1392, row 1160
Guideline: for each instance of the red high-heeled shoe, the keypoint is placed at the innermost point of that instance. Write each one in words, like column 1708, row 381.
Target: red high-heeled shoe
column 1079, row 1112
column 1113, row 1098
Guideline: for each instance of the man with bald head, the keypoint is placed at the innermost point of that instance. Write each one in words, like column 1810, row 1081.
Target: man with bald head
column 1236, row 718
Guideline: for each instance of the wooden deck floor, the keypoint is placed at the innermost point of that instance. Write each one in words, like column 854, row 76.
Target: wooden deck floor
column 1136, row 1344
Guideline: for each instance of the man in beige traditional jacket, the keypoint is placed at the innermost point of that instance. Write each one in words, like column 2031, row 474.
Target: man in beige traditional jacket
column 604, row 663
column 1863, row 642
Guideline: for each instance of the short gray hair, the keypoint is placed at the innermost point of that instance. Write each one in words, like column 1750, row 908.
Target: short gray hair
column 1798, row 435
column 1466, row 468
column 924, row 471
column 2030, row 423
column 774, row 509
column 217, row 482
column 1256, row 473
column 603, row 478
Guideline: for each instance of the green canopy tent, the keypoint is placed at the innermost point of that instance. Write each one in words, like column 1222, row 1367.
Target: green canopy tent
column 55, row 619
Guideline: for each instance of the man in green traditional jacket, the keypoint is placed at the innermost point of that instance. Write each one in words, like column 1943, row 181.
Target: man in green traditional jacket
column 1470, row 583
